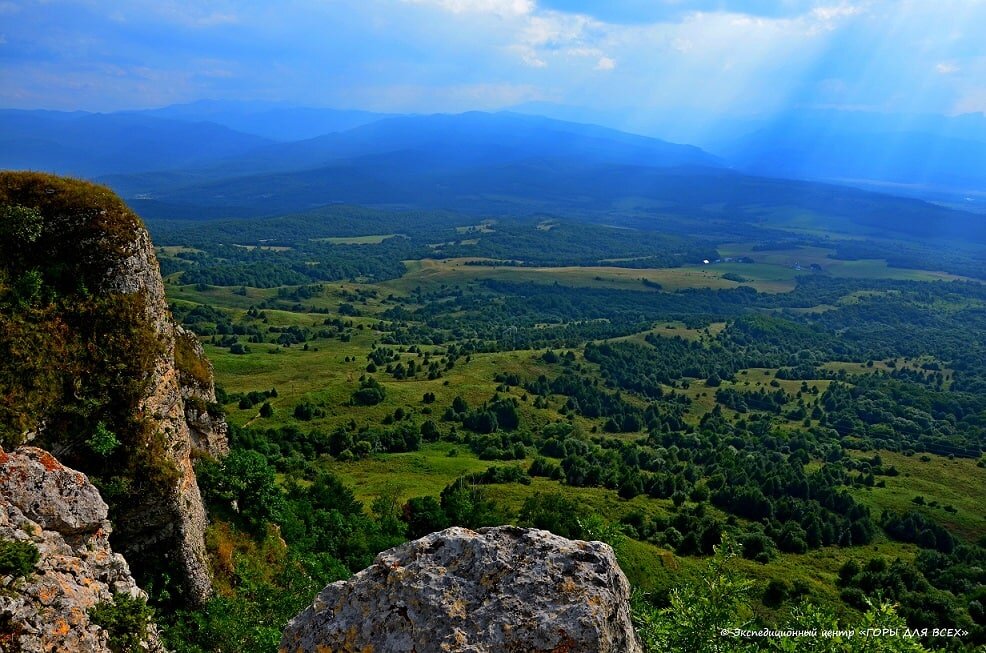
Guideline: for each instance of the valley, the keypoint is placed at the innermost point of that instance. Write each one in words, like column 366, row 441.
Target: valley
column 619, row 393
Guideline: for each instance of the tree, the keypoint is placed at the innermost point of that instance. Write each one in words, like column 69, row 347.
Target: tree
column 125, row 619
column 552, row 512
column 703, row 613
column 369, row 393
column 424, row 515
column 698, row 611
column 243, row 484
column 17, row 558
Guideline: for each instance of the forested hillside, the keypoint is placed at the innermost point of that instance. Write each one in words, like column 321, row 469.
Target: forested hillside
column 656, row 388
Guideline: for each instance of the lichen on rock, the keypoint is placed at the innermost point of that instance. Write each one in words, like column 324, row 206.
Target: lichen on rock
column 503, row 589
column 61, row 513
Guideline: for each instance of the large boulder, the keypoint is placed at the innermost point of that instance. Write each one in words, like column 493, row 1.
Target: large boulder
column 58, row 512
column 497, row 589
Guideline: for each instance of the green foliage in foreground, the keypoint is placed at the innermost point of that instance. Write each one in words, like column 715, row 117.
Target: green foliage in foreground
column 125, row 618
column 712, row 615
column 17, row 559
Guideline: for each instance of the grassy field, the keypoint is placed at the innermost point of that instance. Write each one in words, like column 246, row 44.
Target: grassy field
column 649, row 567
column 456, row 272
column 772, row 272
column 328, row 371
column 958, row 483
column 372, row 239
column 788, row 263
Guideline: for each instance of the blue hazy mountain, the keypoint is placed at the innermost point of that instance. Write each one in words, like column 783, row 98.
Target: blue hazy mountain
column 941, row 158
column 628, row 195
column 485, row 163
column 177, row 142
column 92, row 144
column 453, row 140
column 272, row 120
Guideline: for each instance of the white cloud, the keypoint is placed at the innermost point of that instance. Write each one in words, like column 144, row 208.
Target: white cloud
column 497, row 7
column 829, row 14
column 605, row 63
column 724, row 60
column 528, row 55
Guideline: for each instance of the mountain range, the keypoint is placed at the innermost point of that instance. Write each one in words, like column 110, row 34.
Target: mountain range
column 220, row 159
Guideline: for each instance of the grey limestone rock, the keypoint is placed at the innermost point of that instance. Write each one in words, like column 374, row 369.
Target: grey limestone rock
column 176, row 522
column 61, row 513
column 497, row 589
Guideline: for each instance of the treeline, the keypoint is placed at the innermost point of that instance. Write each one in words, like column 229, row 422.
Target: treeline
column 299, row 263
column 894, row 414
column 533, row 242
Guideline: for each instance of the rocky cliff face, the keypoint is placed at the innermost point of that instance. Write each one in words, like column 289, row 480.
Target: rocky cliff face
column 175, row 405
column 501, row 589
column 89, row 347
column 60, row 513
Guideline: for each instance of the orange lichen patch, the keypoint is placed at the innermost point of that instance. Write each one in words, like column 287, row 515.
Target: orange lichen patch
column 568, row 585
column 46, row 594
column 77, row 617
column 351, row 635
column 48, row 462
column 61, row 627
column 3, row 457
column 68, row 590
column 457, row 609
column 567, row 644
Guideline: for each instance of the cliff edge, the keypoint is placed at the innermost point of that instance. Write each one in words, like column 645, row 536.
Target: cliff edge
column 93, row 369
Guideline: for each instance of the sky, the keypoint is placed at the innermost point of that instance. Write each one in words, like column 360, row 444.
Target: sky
column 718, row 58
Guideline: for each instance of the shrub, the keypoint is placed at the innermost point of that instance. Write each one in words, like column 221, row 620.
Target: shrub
column 17, row 559
column 103, row 441
column 125, row 619
column 370, row 393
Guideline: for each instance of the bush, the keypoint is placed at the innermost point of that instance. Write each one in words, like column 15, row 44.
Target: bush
column 103, row 441
column 370, row 393
column 125, row 619
column 17, row 559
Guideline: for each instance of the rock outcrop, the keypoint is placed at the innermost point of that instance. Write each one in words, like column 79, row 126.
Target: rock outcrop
column 61, row 513
column 87, row 343
column 174, row 523
column 503, row 589
column 207, row 428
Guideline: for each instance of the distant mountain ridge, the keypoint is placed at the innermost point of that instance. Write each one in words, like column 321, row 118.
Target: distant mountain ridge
column 93, row 144
column 180, row 139
column 275, row 121
column 483, row 163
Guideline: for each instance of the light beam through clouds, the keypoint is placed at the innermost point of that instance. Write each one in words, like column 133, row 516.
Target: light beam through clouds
column 632, row 60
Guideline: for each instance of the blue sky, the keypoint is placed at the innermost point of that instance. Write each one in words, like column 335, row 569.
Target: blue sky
column 648, row 57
